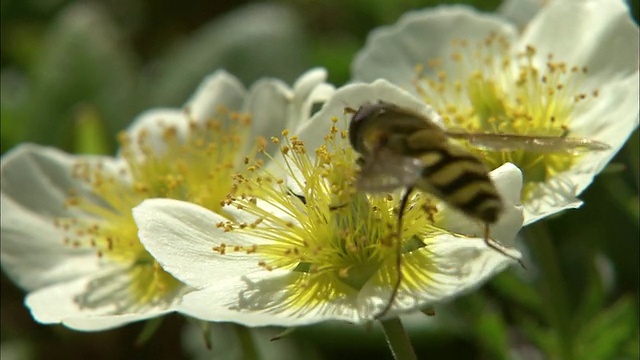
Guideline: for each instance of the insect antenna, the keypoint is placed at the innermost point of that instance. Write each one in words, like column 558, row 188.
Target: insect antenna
column 396, row 286
column 348, row 109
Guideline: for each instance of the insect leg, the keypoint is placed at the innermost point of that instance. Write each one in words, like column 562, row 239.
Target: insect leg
column 337, row 207
column 300, row 197
column 492, row 244
column 396, row 286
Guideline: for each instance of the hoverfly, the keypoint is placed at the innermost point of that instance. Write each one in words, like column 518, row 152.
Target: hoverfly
column 401, row 148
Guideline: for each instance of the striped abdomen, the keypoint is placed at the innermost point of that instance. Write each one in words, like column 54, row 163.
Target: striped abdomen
column 459, row 178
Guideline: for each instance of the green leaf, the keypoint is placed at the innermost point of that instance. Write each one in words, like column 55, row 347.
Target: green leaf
column 335, row 56
column 478, row 314
column 623, row 195
column 517, row 291
column 593, row 298
column 544, row 338
column 252, row 42
column 493, row 334
column 606, row 335
column 90, row 135
column 83, row 62
column 13, row 94
column 150, row 328
column 631, row 149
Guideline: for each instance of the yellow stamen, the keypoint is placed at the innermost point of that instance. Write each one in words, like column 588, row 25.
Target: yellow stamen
column 491, row 91
column 197, row 169
column 334, row 238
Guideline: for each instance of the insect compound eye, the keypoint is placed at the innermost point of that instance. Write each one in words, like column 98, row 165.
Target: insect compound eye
column 367, row 111
column 358, row 120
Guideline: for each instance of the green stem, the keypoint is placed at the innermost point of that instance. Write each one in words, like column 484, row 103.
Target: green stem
column 552, row 285
column 397, row 339
column 249, row 350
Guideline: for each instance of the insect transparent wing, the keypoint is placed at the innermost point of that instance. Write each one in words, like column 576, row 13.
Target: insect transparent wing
column 387, row 171
column 541, row 144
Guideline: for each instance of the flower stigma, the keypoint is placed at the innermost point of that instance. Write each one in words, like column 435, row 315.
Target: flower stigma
column 491, row 91
column 315, row 224
column 197, row 168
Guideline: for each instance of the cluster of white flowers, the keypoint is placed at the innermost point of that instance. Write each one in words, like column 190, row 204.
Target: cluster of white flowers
column 233, row 208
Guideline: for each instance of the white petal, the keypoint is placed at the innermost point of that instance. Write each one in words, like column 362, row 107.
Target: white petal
column 58, row 304
column 52, row 304
column 268, row 102
column 319, row 96
column 243, row 216
column 33, row 253
column 309, row 81
column 353, row 96
column 181, row 236
column 261, row 299
column 35, row 185
column 309, row 91
column 40, row 178
column 508, row 179
column 275, row 107
column 216, row 90
column 611, row 120
column 449, row 266
column 611, row 117
column 106, row 322
column 587, row 33
column 393, row 52
column 219, row 89
column 154, row 123
column 520, row 12
column 551, row 197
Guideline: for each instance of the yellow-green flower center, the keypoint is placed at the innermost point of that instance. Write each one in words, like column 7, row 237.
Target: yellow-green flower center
column 314, row 223
column 491, row 91
column 197, row 168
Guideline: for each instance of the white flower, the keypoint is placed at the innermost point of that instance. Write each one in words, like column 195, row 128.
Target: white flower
column 308, row 248
column 68, row 235
column 572, row 72
column 519, row 12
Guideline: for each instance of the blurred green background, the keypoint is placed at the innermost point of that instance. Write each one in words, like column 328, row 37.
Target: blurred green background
column 75, row 73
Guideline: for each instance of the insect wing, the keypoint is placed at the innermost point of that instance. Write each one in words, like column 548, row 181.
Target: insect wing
column 541, row 144
column 387, row 171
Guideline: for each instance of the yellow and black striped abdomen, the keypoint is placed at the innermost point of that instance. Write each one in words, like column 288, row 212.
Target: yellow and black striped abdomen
column 460, row 179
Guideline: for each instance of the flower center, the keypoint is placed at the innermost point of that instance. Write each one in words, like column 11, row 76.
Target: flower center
column 197, row 168
column 316, row 224
column 491, row 91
